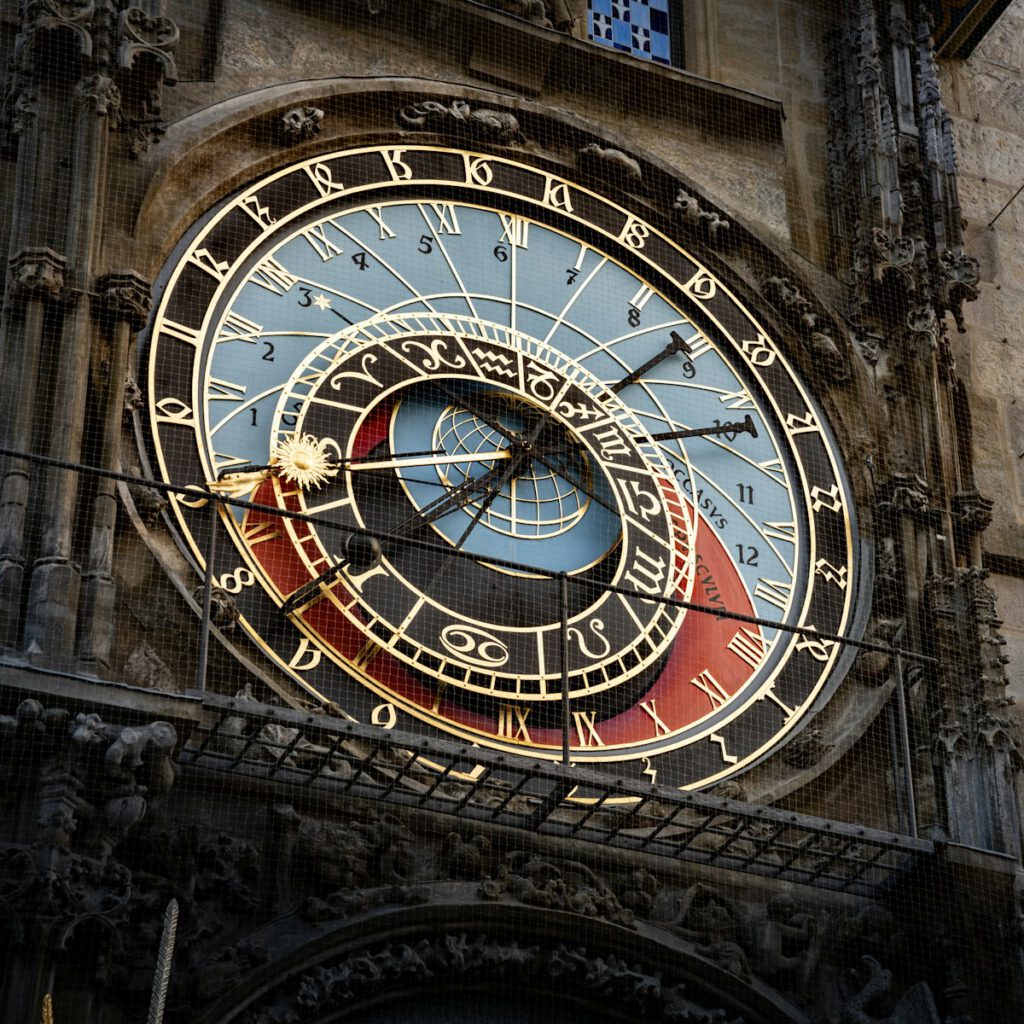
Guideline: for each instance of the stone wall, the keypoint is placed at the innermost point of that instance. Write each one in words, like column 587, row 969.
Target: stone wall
column 985, row 95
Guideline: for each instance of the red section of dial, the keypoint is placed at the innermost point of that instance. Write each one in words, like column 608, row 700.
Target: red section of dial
column 701, row 673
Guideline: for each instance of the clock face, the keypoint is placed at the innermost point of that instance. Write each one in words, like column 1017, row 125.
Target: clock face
column 533, row 447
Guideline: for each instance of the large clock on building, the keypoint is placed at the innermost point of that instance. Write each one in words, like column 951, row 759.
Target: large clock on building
column 545, row 477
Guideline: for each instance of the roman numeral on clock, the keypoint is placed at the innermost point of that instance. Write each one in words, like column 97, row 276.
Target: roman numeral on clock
column 749, row 646
column 512, row 723
column 711, row 688
column 586, row 731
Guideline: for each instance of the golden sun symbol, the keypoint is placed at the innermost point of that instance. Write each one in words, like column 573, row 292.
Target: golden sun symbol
column 304, row 460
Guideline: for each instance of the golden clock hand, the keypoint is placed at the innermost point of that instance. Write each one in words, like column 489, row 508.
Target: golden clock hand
column 408, row 462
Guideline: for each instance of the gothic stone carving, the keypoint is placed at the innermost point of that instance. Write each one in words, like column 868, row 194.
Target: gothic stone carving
column 36, row 273
column 449, row 956
column 800, row 312
column 145, row 58
column 609, row 165
column 457, row 118
column 125, row 296
column 300, row 125
column 563, row 885
column 916, row 1006
column 713, row 228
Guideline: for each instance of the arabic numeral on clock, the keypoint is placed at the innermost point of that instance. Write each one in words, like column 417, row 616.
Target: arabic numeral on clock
column 359, row 259
column 268, row 356
column 501, row 254
column 633, row 316
column 572, row 273
column 426, row 245
column 306, row 299
column 746, row 493
column 689, row 371
column 252, row 412
column 747, row 554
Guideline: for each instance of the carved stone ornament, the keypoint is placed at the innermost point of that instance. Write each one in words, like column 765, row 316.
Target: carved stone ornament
column 457, row 118
column 125, row 296
column 101, row 92
column 145, row 668
column 923, row 325
column 806, row 749
column 150, row 504
column 446, row 958
column 609, row 165
column 72, row 15
column 905, row 494
column 960, row 277
column 141, row 34
column 533, row 11
column 300, row 124
column 916, row 1006
column 556, row 885
column 971, row 511
column 693, row 217
column 96, row 778
column 133, row 396
column 801, row 313
column 36, row 273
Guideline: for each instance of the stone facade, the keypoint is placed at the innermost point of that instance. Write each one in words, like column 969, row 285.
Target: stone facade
column 311, row 868
column 984, row 96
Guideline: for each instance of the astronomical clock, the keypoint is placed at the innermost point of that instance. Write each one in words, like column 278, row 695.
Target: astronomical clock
column 512, row 466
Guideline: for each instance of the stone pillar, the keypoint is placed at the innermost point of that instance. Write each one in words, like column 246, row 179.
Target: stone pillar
column 124, row 303
column 56, row 577
column 36, row 282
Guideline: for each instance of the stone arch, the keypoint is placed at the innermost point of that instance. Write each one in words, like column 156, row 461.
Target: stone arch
column 385, row 958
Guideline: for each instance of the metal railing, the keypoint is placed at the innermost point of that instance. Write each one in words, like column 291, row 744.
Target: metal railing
column 258, row 741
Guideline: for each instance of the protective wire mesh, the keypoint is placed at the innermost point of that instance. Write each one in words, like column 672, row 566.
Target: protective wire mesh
column 490, row 522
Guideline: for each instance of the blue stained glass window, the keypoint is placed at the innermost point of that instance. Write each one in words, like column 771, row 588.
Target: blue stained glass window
column 642, row 28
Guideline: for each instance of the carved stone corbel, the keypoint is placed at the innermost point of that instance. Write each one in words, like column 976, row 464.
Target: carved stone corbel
column 35, row 273
column 125, row 297
column 803, row 316
column 960, row 276
column 905, row 494
column 609, row 165
column 972, row 512
column 100, row 91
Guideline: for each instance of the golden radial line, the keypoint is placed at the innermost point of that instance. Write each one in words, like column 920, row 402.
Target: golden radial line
column 513, row 308
column 571, row 301
column 448, row 260
column 335, row 291
column 753, row 522
column 387, row 266
column 242, row 406
column 259, row 336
